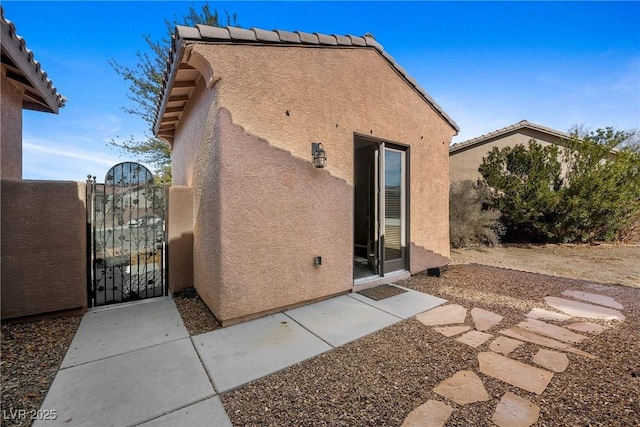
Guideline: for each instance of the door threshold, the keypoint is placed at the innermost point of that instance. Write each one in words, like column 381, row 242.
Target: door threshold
column 375, row 280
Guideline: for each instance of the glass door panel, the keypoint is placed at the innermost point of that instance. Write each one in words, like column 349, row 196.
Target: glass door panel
column 394, row 209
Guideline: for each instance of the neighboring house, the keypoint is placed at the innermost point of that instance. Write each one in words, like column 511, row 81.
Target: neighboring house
column 466, row 157
column 24, row 85
column 242, row 110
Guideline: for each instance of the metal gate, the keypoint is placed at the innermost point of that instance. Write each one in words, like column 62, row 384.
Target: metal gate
column 126, row 236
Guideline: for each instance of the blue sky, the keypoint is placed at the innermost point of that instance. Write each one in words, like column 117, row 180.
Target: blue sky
column 488, row 64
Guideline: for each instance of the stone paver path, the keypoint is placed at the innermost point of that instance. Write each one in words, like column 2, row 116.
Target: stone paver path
column 551, row 360
column 590, row 328
column 552, row 331
column 521, row 375
column 594, row 298
column 581, row 309
column 504, row 345
column 484, row 320
column 542, row 314
column 450, row 331
column 463, row 388
column 466, row 387
column 514, row 411
column 430, row 414
column 443, row 315
column 474, row 338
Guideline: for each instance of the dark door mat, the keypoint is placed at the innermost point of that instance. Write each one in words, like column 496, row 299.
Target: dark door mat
column 381, row 292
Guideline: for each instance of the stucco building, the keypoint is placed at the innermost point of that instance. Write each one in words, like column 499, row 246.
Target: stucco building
column 259, row 227
column 466, row 157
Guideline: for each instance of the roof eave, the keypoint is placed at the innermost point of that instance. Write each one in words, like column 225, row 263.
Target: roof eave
column 27, row 73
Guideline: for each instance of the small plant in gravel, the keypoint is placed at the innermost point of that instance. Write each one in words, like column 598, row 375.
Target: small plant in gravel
column 471, row 219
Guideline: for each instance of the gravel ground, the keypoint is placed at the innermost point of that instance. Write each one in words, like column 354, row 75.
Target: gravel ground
column 379, row 379
column 31, row 354
column 197, row 317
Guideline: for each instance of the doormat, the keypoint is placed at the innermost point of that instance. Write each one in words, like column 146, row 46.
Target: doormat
column 381, row 292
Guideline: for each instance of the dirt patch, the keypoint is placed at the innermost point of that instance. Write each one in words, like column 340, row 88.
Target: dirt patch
column 604, row 263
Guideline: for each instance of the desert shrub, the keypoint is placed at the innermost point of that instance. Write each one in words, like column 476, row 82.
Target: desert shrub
column 471, row 218
column 585, row 192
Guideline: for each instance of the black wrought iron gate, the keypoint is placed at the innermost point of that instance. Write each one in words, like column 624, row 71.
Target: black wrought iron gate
column 126, row 236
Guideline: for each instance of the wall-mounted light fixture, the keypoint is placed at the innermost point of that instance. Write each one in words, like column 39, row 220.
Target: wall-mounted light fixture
column 318, row 155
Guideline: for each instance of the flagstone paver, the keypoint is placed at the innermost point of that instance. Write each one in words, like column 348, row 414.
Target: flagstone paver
column 504, row 345
column 551, row 360
column 443, row 315
column 542, row 314
column 462, row 388
column 594, row 298
column 430, row 414
column 518, row 374
column 534, row 338
column 588, row 327
column 450, row 331
column 515, row 411
column 581, row 309
column 552, row 331
column 484, row 319
column 474, row 338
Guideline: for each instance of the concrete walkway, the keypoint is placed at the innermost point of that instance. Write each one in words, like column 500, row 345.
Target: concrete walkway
column 136, row 364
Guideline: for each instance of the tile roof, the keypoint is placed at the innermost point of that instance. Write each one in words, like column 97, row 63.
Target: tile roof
column 208, row 34
column 25, row 71
column 522, row 124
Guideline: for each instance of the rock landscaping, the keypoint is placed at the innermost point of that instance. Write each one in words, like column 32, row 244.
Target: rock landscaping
column 420, row 373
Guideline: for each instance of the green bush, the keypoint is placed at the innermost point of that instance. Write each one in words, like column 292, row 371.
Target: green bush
column 471, row 221
column 585, row 192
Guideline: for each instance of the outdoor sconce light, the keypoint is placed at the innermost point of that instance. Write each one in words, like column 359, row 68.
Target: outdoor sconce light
column 318, row 155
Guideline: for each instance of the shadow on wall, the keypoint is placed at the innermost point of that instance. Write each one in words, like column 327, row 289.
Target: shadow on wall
column 180, row 256
column 265, row 216
column 423, row 259
column 44, row 247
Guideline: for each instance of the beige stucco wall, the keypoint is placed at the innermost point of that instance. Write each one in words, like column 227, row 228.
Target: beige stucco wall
column 10, row 130
column 261, row 211
column 43, row 247
column 464, row 164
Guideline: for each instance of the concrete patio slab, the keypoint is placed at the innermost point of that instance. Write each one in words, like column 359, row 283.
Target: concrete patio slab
column 241, row 353
column 515, row 411
column 463, row 387
column 130, row 388
column 122, row 329
column 342, row 319
column 521, row 375
column 209, row 412
column 594, row 298
column 430, row 414
column 581, row 309
column 444, row 315
column 403, row 305
column 552, row 331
